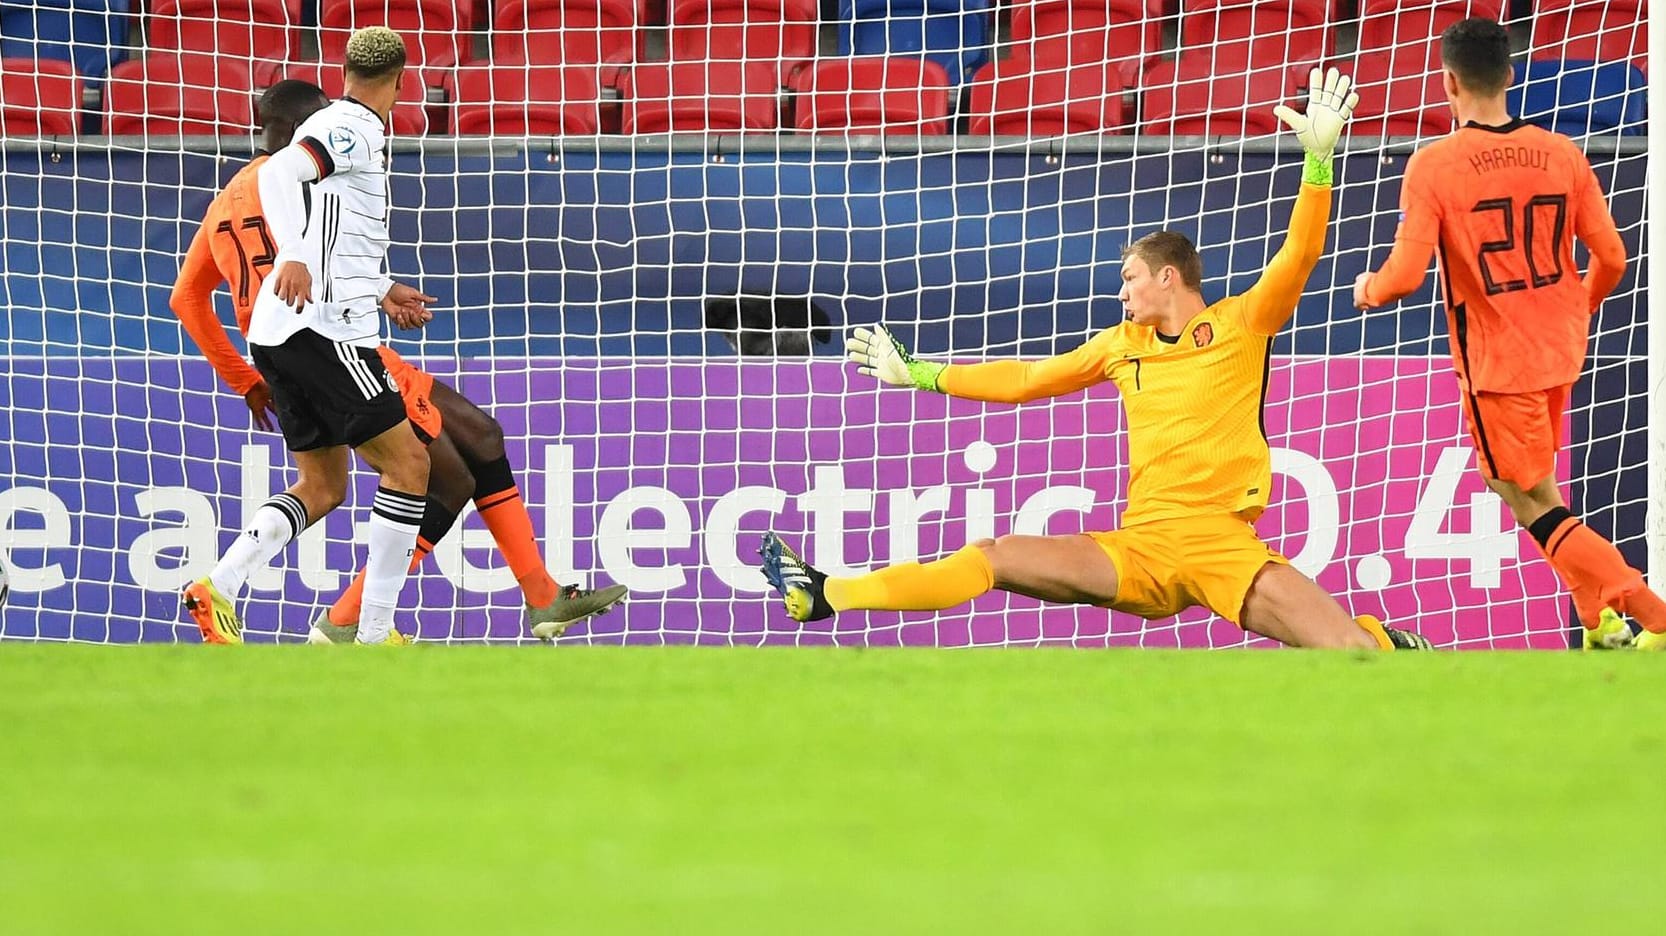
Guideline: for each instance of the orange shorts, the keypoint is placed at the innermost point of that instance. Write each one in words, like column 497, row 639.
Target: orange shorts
column 417, row 387
column 1517, row 435
column 1166, row 566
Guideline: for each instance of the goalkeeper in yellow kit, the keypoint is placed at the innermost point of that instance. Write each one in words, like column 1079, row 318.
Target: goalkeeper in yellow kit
column 1192, row 377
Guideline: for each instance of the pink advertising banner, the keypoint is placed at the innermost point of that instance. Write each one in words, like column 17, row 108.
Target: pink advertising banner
column 663, row 474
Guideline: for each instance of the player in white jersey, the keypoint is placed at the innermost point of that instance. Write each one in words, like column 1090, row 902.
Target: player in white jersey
column 313, row 334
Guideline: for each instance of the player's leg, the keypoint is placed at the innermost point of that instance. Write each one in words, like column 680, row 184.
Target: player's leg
column 1068, row 569
column 551, row 608
column 1221, row 563
column 399, row 457
column 322, row 483
column 320, row 487
column 371, row 416
column 1518, row 436
column 449, row 487
column 1292, row 609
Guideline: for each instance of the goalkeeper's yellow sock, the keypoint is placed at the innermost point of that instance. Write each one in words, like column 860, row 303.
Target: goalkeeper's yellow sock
column 1373, row 626
column 913, row 586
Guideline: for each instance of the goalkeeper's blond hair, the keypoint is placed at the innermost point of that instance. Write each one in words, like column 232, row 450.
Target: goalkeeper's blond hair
column 375, row 52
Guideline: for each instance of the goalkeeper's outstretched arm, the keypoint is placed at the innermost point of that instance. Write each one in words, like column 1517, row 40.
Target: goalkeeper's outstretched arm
column 877, row 353
column 1269, row 304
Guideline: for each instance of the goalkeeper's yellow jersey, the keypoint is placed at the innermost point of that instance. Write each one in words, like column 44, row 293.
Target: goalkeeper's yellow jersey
column 1197, row 441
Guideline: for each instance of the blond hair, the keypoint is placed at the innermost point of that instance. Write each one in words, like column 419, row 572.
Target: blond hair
column 1169, row 248
column 375, row 52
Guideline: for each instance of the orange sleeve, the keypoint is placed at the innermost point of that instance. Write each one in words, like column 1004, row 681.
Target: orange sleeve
column 1414, row 242
column 1594, row 225
column 1022, row 381
column 193, row 302
column 1272, row 300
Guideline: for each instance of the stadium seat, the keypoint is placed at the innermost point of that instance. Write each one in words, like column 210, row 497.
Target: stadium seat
column 953, row 33
column 1600, row 30
column 1412, row 28
column 410, row 112
column 1578, row 98
column 1245, row 34
column 265, row 31
column 570, row 32
column 1191, row 95
column 168, row 93
column 1399, row 95
column 431, row 28
column 779, row 32
column 1086, row 32
column 872, row 94
column 89, row 34
column 520, row 99
column 1018, row 97
column 38, row 97
column 663, row 97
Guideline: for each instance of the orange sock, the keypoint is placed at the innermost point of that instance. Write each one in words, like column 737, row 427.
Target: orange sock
column 912, row 586
column 1595, row 572
column 346, row 609
column 505, row 515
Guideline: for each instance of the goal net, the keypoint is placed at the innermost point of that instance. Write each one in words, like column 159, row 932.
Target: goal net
column 650, row 226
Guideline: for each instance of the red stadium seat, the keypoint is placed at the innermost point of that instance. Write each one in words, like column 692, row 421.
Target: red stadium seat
column 693, row 96
column 1018, row 97
column 518, row 99
column 1087, row 32
column 265, row 31
column 779, row 32
column 1398, row 96
column 570, row 32
column 1413, row 27
column 874, row 94
column 1193, row 96
column 1241, row 34
column 1600, row 30
column 38, row 97
column 169, row 93
column 410, row 112
column 434, row 30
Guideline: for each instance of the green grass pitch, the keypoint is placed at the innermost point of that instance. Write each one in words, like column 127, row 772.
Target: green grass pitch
column 606, row 790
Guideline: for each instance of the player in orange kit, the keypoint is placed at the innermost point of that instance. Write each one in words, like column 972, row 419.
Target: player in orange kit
column 1192, row 377
column 1502, row 202
column 465, row 443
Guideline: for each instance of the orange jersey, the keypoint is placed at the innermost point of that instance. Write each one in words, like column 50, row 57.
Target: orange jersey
column 1503, row 206
column 1196, row 442
column 234, row 247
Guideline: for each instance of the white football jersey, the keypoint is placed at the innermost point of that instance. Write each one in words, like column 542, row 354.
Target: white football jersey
column 346, row 237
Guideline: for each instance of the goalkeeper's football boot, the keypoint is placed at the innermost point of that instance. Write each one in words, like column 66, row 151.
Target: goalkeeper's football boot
column 802, row 587
column 571, row 604
column 1406, row 640
column 1611, row 633
column 213, row 613
column 323, row 631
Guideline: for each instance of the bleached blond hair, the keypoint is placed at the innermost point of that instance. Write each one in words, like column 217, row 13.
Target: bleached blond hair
column 375, row 52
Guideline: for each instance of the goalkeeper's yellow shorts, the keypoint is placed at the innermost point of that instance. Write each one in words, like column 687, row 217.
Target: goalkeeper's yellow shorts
column 1166, row 566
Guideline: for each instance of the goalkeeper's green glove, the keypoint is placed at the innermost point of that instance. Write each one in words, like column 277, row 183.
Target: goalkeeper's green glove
column 1330, row 102
column 877, row 353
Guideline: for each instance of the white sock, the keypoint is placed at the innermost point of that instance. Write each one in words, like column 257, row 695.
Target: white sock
column 394, row 520
column 274, row 524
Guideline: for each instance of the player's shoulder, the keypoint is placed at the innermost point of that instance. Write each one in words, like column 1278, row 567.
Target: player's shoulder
column 343, row 125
